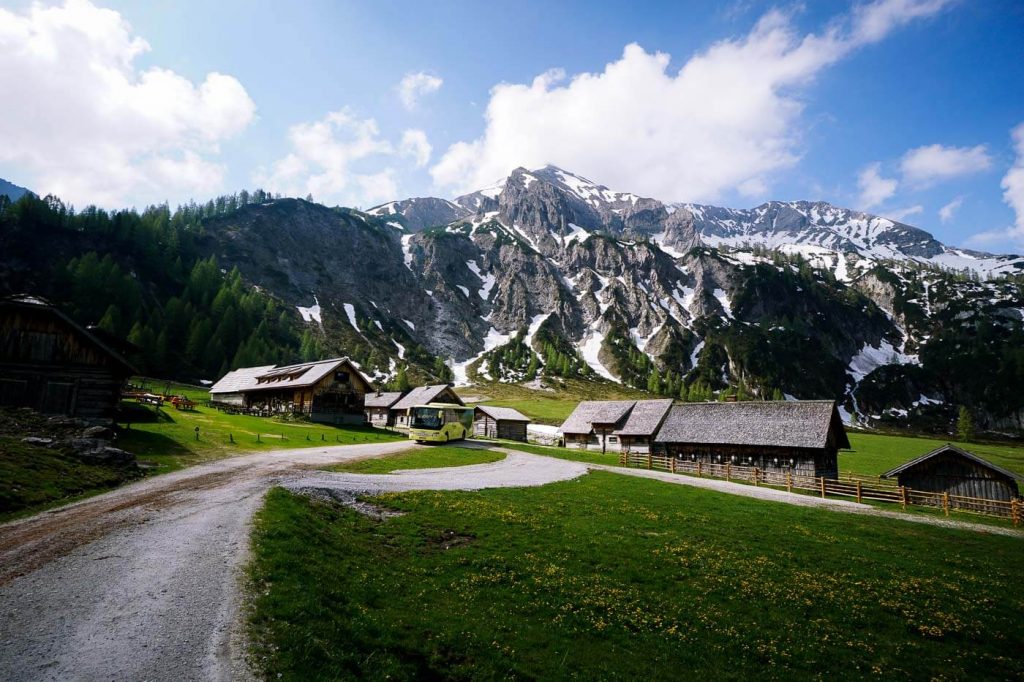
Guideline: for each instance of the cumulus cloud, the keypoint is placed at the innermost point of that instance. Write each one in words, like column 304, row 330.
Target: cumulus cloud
column 947, row 211
column 328, row 159
column 80, row 120
column 1013, row 195
column 415, row 85
column 725, row 121
column 874, row 189
column 415, row 146
column 927, row 165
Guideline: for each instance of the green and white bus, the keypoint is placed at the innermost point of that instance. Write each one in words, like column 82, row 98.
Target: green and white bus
column 440, row 422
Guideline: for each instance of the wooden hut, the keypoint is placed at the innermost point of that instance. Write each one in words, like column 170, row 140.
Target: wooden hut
column 52, row 364
column 437, row 393
column 329, row 391
column 643, row 422
column 378, row 408
column 801, row 437
column 499, row 422
column 952, row 470
column 592, row 424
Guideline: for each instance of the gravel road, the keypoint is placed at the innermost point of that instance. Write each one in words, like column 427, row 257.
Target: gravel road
column 142, row 583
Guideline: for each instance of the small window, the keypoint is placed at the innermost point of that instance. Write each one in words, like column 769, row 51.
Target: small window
column 613, row 439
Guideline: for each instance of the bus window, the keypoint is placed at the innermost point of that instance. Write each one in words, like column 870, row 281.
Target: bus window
column 427, row 418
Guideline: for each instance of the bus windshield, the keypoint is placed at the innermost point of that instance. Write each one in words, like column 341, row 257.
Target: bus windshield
column 427, row 418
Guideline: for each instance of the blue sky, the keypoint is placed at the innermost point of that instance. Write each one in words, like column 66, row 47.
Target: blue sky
column 899, row 107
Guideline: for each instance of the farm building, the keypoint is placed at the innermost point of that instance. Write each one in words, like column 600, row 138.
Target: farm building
column 601, row 424
column 329, row 391
column 801, row 437
column 499, row 422
column 53, row 365
column 950, row 469
column 378, row 408
column 438, row 393
column 643, row 422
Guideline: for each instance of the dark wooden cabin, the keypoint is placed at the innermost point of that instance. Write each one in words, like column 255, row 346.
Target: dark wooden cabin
column 378, row 408
column 437, row 393
column 802, row 437
column 52, row 364
column 952, row 470
column 499, row 422
column 329, row 391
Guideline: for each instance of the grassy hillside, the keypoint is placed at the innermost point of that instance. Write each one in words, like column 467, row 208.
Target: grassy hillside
column 420, row 458
column 615, row 577
column 876, row 453
column 547, row 406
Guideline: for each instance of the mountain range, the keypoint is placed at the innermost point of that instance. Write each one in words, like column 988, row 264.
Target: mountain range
column 547, row 275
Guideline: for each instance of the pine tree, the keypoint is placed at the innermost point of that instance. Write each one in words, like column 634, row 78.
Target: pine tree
column 965, row 424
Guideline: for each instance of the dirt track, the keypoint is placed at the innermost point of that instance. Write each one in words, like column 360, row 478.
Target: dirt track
column 141, row 583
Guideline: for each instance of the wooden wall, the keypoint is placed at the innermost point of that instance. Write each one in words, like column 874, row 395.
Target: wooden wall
column 486, row 427
column 949, row 473
column 798, row 461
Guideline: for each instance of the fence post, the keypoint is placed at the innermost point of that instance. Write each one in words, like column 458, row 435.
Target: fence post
column 945, row 503
column 858, row 491
column 728, row 471
column 753, row 475
column 789, row 482
column 822, row 479
column 903, row 497
column 1015, row 511
column 650, row 461
column 672, row 465
column 698, row 468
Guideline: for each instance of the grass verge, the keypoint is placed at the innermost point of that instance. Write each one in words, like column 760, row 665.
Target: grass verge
column 609, row 576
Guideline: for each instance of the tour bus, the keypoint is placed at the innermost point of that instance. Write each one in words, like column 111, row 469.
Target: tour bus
column 440, row 422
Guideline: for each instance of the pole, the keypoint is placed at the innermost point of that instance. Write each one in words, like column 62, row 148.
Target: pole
column 789, row 482
column 858, row 491
column 945, row 503
column 822, row 479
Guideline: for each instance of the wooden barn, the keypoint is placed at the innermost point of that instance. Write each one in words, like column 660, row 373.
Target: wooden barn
column 614, row 425
column 438, row 393
column 591, row 424
column 329, row 391
column 952, row 470
column 802, row 437
column 378, row 408
column 54, row 365
column 642, row 424
column 499, row 422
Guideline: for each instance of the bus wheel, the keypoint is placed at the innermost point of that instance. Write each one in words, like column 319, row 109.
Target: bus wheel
column 446, row 438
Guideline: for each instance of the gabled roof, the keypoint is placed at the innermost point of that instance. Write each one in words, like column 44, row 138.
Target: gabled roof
column 382, row 399
column 645, row 418
column 505, row 414
column 590, row 412
column 423, row 395
column 793, row 424
column 950, row 448
column 272, row 377
column 37, row 303
column 239, row 380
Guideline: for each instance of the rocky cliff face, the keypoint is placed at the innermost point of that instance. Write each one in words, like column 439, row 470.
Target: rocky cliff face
column 799, row 298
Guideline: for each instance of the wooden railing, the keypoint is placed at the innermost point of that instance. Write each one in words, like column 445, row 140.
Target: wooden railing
column 849, row 485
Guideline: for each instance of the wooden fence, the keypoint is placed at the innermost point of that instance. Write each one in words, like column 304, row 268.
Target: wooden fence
column 859, row 488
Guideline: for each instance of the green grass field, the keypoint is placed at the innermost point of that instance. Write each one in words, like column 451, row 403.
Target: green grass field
column 168, row 436
column 548, row 406
column 615, row 577
column 876, row 453
column 428, row 457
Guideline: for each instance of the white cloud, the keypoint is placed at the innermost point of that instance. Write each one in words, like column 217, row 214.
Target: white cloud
column 727, row 120
column 900, row 214
column 415, row 85
column 328, row 159
column 80, row 120
column 874, row 189
column 947, row 211
column 415, row 146
column 927, row 165
column 1013, row 195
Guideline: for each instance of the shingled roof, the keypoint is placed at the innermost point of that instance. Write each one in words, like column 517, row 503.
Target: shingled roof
column 239, row 380
column 421, row 396
column 271, row 377
column 792, row 424
column 505, row 414
column 950, row 448
column 645, row 418
column 590, row 412
column 382, row 399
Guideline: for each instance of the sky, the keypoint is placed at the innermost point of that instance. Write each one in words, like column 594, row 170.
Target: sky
column 911, row 109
